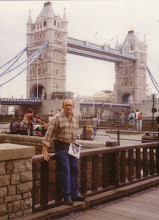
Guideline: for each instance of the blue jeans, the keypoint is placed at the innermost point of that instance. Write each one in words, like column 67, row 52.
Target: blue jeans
column 94, row 131
column 122, row 121
column 67, row 171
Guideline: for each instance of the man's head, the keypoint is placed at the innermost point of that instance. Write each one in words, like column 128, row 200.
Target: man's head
column 68, row 106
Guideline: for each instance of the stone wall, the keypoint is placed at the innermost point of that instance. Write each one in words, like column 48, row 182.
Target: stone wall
column 15, row 180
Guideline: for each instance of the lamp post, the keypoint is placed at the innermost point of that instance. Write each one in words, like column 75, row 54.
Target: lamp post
column 37, row 78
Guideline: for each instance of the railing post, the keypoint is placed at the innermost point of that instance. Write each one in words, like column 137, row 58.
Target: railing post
column 44, row 183
column 83, row 175
column 94, row 172
column 157, row 159
column 138, row 164
column 84, row 132
column 31, row 129
column 11, row 127
column 118, row 137
column 145, row 163
column 34, row 187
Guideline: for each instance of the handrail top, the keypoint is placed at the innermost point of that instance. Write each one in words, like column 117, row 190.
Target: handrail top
column 101, row 150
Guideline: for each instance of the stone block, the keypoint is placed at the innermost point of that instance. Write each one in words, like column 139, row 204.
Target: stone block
column 2, row 168
column 9, row 199
column 15, row 178
column 1, row 201
column 16, row 206
column 19, row 166
column 9, row 208
column 16, row 215
column 3, row 210
column 15, row 151
column 9, row 167
column 24, row 187
column 3, row 192
column 26, row 176
column 5, row 217
column 11, row 190
column 29, row 164
column 26, row 195
column 27, row 212
column 4, row 180
column 26, row 203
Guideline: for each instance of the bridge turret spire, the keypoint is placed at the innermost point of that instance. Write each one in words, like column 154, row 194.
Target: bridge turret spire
column 64, row 19
column 47, row 11
column 117, row 43
column 30, row 18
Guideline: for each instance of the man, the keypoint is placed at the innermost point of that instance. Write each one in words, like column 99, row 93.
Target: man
column 138, row 120
column 131, row 119
column 63, row 130
column 95, row 124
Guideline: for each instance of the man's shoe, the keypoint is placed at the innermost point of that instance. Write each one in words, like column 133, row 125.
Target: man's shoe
column 69, row 202
column 80, row 198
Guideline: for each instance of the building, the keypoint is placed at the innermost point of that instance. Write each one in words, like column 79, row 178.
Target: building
column 46, row 76
column 104, row 95
column 130, row 76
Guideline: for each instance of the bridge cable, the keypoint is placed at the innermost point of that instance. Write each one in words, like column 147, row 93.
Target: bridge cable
column 3, row 73
column 46, row 44
column 153, row 80
column 13, row 58
column 26, row 59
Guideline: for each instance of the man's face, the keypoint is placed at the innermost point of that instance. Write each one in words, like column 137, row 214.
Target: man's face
column 68, row 106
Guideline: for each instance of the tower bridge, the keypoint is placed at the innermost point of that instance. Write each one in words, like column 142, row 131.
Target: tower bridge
column 46, row 77
column 105, row 52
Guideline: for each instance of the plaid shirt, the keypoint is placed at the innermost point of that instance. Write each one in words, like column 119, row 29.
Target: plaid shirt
column 60, row 128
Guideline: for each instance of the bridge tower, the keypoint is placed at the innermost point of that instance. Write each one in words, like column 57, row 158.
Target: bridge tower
column 130, row 77
column 46, row 77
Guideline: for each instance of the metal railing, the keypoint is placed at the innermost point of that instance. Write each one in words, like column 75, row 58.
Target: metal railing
column 100, row 170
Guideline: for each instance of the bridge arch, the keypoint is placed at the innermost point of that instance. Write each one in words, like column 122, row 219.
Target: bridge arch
column 127, row 98
column 41, row 92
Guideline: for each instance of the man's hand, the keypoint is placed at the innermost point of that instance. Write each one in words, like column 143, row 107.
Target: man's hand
column 45, row 153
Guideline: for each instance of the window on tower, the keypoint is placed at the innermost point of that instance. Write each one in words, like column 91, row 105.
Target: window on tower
column 44, row 23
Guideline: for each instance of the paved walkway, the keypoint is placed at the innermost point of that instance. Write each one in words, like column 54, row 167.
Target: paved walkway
column 125, row 138
column 141, row 206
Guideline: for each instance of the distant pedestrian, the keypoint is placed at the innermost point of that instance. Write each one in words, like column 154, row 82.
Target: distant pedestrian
column 98, row 120
column 131, row 119
column 95, row 124
column 138, row 120
column 51, row 116
column 122, row 116
column 31, row 120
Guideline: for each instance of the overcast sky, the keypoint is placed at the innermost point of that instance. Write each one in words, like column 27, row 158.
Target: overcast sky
column 95, row 21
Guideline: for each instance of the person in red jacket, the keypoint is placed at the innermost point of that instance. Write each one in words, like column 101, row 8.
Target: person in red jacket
column 30, row 118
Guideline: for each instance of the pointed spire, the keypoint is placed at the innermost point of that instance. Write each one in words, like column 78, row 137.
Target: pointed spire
column 117, row 43
column 64, row 19
column 145, row 38
column 137, row 37
column 29, row 19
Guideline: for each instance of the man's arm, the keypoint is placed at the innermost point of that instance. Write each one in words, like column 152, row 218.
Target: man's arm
column 45, row 153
